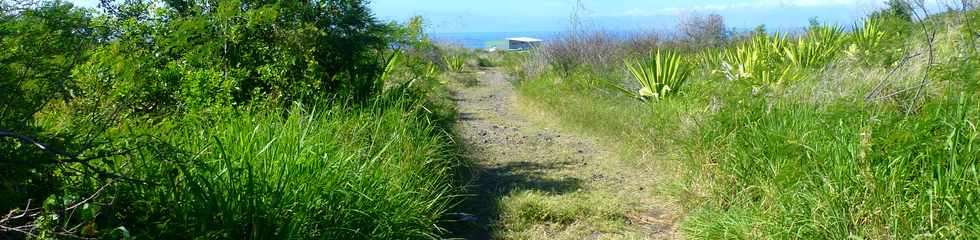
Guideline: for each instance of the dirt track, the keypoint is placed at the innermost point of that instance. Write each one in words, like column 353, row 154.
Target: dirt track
column 516, row 154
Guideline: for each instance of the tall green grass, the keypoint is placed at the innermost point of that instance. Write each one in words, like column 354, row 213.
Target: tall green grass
column 789, row 170
column 781, row 165
column 382, row 171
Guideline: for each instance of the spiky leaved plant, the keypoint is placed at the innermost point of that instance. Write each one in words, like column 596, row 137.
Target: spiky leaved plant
column 454, row 63
column 660, row 74
column 869, row 35
column 821, row 45
column 865, row 39
column 760, row 60
column 709, row 59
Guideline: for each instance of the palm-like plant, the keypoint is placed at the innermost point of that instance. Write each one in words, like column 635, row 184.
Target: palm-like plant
column 660, row 74
column 758, row 60
column 821, row 44
column 868, row 36
column 740, row 63
column 454, row 63
column 709, row 59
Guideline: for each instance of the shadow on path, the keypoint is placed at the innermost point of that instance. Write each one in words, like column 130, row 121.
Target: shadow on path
column 480, row 212
column 509, row 155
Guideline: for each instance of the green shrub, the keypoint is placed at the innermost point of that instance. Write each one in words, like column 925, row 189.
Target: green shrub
column 709, row 59
column 230, row 52
column 896, row 23
column 38, row 48
column 484, row 62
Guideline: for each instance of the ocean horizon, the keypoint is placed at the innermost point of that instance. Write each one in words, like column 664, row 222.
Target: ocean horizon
column 484, row 40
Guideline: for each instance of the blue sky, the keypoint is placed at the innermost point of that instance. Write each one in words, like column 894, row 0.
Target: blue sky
column 448, row 16
column 552, row 15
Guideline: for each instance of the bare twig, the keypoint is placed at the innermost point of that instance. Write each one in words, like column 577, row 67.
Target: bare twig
column 27, row 213
column 74, row 158
column 930, row 39
column 901, row 91
column 26, row 217
column 86, row 200
column 42, row 146
column 873, row 95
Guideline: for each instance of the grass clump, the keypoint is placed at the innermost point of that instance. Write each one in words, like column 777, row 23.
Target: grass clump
column 533, row 214
column 318, row 173
column 760, row 61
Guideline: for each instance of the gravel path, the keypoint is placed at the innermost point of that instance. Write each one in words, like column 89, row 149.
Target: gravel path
column 514, row 154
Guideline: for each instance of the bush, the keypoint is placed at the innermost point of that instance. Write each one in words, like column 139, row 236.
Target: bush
column 171, row 121
column 454, row 63
column 594, row 50
column 484, row 62
column 240, row 52
column 31, row 75
column 700, row 32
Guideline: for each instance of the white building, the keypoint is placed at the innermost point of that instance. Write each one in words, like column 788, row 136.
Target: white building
column 523, row 43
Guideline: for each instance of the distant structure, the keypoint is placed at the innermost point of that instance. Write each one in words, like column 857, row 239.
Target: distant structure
column 513, row 44
column 522, row 43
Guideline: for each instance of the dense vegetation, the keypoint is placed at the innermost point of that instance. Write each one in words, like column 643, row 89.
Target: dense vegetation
column 267, row 119
column 221, row 119
column 835, row 132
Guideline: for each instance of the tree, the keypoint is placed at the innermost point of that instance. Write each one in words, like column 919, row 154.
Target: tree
column 703, row 31
column 900, row 9
column 208, row 55
column 40, row 46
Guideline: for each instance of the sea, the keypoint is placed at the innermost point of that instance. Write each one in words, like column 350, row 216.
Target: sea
column 484, row 40
column 487, row 40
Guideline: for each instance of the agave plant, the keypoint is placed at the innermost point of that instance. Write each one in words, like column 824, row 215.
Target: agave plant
column 740, row 63
column 759, row 59
column 454, row 63
column 821, row 45
column 660, row 74
column 709, row 59
column 868, row 36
